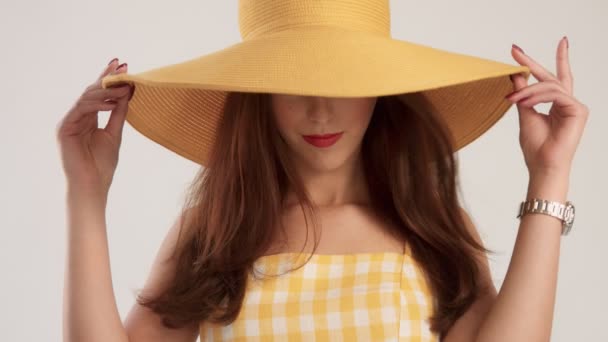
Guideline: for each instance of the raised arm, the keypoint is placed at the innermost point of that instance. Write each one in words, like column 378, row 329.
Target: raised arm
column 89, row 157
column 523, row 308
column 89, row 307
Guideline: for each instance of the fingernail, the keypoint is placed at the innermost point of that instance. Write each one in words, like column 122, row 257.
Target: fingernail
column 122, row 65
column 567, row 43
column 518, row 48
column 112, row 61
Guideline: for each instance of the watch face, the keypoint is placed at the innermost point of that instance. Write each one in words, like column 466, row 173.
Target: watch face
column 569, row 213
column 568, row 217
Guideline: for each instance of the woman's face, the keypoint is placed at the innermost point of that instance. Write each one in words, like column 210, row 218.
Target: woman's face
column 298, row 115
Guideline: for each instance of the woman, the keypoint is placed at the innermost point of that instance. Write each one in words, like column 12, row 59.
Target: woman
column 394, row 255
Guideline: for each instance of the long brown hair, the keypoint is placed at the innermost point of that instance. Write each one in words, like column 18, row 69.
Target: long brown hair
column 233, row 208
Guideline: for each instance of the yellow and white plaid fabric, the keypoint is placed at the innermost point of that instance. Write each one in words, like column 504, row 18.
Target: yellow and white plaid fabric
column 341, row 297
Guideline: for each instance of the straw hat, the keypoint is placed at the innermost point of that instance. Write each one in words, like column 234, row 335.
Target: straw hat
column 318, row 48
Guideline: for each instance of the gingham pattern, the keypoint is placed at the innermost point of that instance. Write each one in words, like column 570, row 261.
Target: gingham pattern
column 346, row 297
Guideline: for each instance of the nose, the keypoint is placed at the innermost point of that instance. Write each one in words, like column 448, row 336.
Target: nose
column 319, row 110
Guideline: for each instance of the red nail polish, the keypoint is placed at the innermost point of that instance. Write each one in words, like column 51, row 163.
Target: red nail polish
column 518, row 48
column 112, row 61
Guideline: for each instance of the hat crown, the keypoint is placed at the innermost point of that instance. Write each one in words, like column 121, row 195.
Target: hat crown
column 262, row 17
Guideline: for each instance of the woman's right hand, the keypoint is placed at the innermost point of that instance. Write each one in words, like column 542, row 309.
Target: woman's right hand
column 90, row 154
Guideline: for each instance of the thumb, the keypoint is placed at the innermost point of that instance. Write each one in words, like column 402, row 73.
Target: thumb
column 115, row 124
column 520, row 82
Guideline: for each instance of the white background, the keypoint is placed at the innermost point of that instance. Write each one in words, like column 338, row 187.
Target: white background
column 52, row 50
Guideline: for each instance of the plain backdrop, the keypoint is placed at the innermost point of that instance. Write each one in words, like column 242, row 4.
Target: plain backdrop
column 52, row 50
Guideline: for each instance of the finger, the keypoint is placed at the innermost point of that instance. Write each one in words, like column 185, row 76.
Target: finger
column 115, row 124
column 122, row 68
column 108, row 69
column 94, row 107
column 558, row 97
column 564, row 74
column 107, row 93
column 125, row 69
column 538, row 71
column 84, row 108
column 536, row 88
column 520, row 82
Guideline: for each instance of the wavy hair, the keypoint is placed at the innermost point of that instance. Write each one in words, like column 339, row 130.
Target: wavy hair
column 233, row 207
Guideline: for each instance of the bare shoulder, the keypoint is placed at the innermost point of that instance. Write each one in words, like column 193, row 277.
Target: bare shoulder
column 143, row 324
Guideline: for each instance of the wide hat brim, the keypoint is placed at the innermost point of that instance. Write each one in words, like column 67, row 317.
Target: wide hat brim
column 179, row 105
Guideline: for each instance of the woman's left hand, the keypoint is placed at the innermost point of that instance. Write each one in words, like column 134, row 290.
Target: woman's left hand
column 548, row 141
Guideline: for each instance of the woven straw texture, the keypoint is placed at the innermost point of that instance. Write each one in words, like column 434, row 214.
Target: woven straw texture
column 318, row 48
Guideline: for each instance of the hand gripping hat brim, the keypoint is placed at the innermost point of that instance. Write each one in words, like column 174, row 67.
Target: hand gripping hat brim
column 328, row 48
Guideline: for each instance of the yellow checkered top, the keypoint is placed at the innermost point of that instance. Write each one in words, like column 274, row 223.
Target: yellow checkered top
column 380, row 296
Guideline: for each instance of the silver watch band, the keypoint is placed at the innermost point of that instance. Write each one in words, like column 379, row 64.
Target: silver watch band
column 564, row 212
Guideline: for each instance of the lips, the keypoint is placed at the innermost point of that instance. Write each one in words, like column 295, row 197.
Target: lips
column 324, row 140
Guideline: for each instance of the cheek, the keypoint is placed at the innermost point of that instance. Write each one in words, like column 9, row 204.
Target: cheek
column 286, row 124
column 288, row 116
column 360, row 117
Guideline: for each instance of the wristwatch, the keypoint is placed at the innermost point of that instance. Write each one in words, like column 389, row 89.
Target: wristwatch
column 564, row 212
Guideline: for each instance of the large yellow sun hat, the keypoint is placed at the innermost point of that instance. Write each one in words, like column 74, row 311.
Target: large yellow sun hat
column 318, row 48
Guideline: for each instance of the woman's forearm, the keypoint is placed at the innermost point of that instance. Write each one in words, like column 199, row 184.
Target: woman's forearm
column 89, row 308
column 523, row 310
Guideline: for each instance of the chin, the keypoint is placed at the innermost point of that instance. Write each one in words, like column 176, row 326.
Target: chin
column 324, row 162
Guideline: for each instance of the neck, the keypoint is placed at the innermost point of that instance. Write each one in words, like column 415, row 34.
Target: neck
column 337, row 187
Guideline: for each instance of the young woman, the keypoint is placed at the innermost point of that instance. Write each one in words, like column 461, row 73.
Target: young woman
column 393, row 256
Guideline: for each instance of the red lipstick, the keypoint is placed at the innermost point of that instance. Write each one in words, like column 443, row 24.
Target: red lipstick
column 324, row 140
